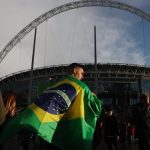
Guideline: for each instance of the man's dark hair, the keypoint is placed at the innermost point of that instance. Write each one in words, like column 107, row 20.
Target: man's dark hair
column 74, row 65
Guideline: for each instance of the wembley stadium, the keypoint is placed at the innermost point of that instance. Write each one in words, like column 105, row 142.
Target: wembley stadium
column 117, row 84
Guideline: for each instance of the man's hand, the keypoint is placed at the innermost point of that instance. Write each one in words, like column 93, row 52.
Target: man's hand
column 93, row 94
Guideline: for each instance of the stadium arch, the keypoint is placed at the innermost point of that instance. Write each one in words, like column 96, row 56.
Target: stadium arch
column 120, row 73
column 66, row 7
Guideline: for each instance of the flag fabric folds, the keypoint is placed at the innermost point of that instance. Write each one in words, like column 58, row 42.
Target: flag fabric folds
column 64, row 114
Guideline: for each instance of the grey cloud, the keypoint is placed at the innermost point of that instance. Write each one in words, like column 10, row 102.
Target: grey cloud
column 68, row 37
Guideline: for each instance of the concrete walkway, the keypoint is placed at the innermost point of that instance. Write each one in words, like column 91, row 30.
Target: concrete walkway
column 102, row 146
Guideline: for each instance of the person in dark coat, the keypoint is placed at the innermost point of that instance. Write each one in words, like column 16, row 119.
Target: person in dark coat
column 111, row 129
column 141, row 118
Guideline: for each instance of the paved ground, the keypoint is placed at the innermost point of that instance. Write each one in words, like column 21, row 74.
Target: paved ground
column 121, row 147
column 13, row 144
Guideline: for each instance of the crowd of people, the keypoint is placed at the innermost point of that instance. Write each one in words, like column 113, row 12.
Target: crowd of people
column 127, row 127
column 112, row 128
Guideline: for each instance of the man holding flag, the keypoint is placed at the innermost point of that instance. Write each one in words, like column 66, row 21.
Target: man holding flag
column 64, row 114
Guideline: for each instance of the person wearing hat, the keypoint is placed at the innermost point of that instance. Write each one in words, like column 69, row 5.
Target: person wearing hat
column 111, row 129
column 141, row 118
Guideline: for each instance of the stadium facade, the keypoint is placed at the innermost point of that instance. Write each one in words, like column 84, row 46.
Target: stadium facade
column 119, row 84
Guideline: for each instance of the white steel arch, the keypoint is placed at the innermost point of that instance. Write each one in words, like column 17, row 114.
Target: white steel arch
column 66, row 7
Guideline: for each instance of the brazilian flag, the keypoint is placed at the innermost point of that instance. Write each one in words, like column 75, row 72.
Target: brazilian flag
column 64, row 114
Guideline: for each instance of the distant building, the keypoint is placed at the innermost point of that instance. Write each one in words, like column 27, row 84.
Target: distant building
column 118, row 84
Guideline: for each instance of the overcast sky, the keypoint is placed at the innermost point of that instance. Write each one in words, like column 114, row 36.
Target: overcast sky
column 122, row 37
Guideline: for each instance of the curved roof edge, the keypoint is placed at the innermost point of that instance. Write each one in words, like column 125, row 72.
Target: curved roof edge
column 60, row 70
